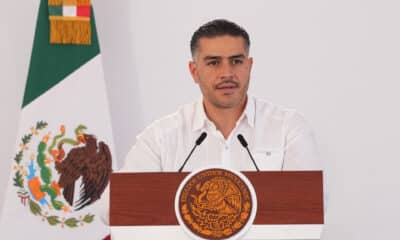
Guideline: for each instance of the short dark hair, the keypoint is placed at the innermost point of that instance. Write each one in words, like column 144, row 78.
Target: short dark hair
column 216, row 28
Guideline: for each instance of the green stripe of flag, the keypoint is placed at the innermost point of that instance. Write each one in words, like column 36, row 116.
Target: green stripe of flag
column 51, row 63
column 55, row 11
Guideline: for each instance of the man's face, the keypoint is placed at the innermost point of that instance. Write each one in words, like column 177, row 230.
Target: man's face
column 221, row 67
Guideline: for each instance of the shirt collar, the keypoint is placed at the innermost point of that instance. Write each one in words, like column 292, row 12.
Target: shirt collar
column 200, row 117
column 249, row 110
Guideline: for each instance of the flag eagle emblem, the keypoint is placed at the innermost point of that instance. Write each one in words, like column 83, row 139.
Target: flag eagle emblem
column 48, row 167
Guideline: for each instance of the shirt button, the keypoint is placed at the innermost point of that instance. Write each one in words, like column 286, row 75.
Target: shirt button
column 226, row 147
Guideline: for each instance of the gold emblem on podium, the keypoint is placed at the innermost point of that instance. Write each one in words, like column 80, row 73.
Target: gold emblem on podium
column 215, row 203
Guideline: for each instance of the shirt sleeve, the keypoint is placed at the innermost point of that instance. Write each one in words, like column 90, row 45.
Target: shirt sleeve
column 300, row 152
column 145, row 155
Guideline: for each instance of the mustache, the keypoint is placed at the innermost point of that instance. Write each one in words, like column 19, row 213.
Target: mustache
column 231, row 82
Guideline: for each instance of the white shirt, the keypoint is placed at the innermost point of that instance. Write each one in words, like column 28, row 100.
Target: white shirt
column 278, row 138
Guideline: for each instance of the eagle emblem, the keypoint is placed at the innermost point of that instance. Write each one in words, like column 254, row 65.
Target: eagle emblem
column 61, row 173
column 215, row 204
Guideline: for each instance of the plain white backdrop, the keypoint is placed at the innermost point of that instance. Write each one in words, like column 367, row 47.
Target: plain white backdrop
column 337, row 62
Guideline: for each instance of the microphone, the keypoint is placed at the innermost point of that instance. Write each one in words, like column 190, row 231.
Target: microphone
column 199, row 140
column 244, row 144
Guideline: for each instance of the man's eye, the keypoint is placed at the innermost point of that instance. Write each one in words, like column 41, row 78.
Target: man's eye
column 212, row 63
column 237, row 61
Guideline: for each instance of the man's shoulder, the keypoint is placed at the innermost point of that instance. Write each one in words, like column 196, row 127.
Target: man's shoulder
column 265, row 108
column 277, row 115
column 181, row 118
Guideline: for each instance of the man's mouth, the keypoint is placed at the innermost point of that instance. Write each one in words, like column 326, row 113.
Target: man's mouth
column 227, row 88
column 227, row 85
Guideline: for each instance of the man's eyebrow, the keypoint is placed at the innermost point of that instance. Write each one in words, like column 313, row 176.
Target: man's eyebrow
column 237, row 56
column 211, row 58
column 220, row 57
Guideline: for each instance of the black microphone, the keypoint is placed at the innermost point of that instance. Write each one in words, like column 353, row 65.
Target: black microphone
column 198, row 142
column 244, row 144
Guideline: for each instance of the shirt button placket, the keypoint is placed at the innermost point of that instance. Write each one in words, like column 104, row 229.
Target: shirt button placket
column 226, row 161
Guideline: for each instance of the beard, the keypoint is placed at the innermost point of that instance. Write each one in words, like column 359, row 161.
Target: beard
column 222, row 101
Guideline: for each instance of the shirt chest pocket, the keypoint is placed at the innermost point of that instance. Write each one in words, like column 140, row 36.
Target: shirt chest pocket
column 269, row 159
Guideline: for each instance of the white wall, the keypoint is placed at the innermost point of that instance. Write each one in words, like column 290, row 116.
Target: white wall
column 335, row 61
column 16, row 30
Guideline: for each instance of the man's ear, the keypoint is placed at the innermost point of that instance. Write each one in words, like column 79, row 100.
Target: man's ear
column 250, row 62
column 193, row 70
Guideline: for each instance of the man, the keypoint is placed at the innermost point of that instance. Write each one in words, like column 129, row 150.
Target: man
column 278, row 138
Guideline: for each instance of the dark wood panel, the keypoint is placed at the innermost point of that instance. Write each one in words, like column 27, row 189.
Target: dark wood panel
column 294, row 197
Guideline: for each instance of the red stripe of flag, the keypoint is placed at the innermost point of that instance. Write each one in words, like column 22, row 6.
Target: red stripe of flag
column 83, row 11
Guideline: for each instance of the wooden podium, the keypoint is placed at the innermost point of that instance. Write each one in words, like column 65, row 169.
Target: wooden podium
column 290, row 205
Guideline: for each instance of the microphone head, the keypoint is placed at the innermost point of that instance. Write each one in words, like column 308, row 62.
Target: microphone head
column 242, row 140
column 201, row 138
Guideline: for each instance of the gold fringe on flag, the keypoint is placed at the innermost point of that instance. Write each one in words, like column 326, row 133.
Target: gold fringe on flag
column 71, row 30
column 70, row 2
column 83, row 2
column 55, row 2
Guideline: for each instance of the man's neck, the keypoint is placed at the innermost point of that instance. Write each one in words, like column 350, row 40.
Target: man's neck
column 224, row 118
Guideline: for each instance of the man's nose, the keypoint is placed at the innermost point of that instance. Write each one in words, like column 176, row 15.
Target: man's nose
column 226, row 70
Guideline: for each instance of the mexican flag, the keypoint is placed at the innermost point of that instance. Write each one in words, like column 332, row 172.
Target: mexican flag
column 63, row 156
